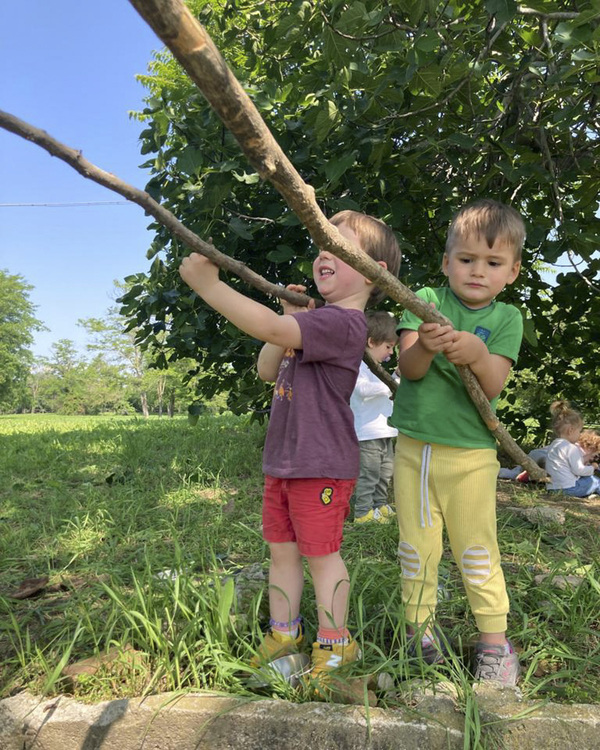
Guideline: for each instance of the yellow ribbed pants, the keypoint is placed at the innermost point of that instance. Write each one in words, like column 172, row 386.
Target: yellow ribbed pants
column 437, row 485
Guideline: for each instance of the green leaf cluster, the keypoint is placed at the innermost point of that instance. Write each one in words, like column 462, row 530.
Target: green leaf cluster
column 404, row 109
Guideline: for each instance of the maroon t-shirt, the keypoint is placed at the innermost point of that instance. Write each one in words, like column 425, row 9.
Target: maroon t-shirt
column 311, row 429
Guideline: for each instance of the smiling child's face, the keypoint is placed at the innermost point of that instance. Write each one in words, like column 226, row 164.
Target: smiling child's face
column 335, row 279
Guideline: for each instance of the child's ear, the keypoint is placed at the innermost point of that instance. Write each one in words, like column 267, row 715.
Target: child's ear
column 514, row 271
column 445, row 261
column 381, row 263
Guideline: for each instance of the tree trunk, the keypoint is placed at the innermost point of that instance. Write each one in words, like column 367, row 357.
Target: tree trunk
column 160, row 393
column 144, row 403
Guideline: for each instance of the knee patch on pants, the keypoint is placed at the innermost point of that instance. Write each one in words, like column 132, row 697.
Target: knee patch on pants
column 409, row 560
column 476, row 564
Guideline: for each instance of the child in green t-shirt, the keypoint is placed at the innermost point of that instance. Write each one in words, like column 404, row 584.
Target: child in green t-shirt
column 446, row 466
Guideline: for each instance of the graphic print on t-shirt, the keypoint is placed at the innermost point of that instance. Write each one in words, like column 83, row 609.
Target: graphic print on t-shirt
column 283, row 387
column 482, row 333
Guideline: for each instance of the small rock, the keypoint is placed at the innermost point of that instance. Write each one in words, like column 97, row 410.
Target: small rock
column 352, row 691
column 540, row 515
column 248, row 582
column 123, row 658
column 421, row 689
column 561, row 582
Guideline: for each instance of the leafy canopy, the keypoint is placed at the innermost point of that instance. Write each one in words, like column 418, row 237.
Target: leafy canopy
column 404, row 109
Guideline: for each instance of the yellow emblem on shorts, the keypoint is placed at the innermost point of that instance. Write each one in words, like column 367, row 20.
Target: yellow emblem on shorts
column 326, row 495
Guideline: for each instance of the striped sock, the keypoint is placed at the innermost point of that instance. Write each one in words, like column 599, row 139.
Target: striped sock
column 333, row 635
column 289, row 629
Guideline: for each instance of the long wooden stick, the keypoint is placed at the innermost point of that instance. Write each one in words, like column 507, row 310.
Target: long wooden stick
column 191, row 45
column 76, row 160
column 225, row 94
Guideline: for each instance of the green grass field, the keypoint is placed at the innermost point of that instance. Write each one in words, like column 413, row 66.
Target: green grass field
column 108, row 508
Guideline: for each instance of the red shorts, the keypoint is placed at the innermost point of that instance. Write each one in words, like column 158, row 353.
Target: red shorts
column 310, row 512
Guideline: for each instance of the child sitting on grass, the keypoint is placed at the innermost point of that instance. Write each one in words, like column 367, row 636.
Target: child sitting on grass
column 538, row 455
column 371, row 405
column 589, row 442
column 566, row 462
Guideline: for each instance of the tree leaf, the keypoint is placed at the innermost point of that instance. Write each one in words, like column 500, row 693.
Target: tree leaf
column 335, row 168
column 239, row 227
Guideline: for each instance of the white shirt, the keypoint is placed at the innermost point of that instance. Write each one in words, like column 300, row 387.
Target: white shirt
column 565, row 464
column 371, row 404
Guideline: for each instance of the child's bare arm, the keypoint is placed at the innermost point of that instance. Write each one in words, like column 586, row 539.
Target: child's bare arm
column 491, row 370
column 271, row 355
column 249, row 316
column 417, row 349
column 269, row 359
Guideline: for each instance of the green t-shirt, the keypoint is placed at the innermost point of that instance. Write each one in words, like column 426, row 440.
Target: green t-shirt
column 437, row 408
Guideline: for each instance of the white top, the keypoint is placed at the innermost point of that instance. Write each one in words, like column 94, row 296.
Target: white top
column 564, row 464
column 371, row 404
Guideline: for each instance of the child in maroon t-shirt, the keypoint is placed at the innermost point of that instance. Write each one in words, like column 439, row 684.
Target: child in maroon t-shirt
column 311, row 455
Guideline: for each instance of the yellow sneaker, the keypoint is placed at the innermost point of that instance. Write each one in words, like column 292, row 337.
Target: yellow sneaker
column 386, row 511
column 374, row 515
column 276, row 644
column 327, row 657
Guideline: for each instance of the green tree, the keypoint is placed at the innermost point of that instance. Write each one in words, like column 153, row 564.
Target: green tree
column 404, row 109
column 65, row 383
column 61, row 388
column 17, row 325
column 117, row 345
column 150, row 386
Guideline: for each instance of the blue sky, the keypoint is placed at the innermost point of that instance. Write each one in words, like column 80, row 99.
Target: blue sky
column 69, row 68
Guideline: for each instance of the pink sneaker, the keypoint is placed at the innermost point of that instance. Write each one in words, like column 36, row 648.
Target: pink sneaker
column 496, row 664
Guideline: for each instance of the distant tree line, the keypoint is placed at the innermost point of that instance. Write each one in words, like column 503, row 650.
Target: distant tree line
column 114, row 377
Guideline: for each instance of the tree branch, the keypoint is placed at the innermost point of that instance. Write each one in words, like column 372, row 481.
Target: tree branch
column 553, row 16
column 195, row 50
column 162, row 215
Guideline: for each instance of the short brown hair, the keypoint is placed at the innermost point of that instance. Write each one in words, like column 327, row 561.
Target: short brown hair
column 381, row 326
column 376, row 239
column 491, row 220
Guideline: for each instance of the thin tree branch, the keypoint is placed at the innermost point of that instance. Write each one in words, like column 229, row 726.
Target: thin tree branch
column 76, row 160
column 552, row 16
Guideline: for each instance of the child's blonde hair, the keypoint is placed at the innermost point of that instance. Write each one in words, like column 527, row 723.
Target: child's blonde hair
column 491, row 220
column 376, row 239
column 564, row 417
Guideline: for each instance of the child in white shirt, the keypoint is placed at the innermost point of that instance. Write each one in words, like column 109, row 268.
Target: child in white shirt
column 372, row 405
column 566, row 462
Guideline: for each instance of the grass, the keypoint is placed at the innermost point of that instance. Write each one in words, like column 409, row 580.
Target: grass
column 149, row 535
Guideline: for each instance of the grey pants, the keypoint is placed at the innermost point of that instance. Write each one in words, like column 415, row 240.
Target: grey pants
column 376, row 469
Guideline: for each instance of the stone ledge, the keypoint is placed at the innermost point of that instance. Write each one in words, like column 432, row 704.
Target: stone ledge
column 207, row 721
